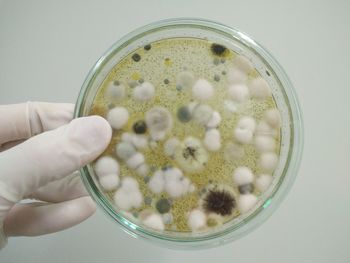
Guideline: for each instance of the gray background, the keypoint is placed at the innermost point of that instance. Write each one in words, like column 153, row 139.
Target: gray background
column 47, row 48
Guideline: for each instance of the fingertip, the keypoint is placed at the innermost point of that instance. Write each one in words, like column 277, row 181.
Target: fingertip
column 96, row 130
column 76, row 210
column 100, row 129
column 90, row 206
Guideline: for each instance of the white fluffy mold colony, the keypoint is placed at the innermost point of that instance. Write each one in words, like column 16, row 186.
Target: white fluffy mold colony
column 196, row 135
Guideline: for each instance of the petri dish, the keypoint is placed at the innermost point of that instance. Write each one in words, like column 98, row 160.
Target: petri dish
column 207, row 133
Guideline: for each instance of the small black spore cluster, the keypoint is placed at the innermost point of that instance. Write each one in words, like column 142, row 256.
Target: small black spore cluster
column 218, row 49
column 147, row 47
column 139, row 127
column 189, row 152
column 163, row 206
column 136, row 57
column 220, row 202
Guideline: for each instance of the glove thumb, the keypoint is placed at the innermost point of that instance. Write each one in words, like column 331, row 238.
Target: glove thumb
column 51, row 155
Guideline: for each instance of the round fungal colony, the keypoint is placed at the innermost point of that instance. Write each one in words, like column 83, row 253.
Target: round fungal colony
column 196, row 135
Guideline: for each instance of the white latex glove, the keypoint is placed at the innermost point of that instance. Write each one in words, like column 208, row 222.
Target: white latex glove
column 42, row 167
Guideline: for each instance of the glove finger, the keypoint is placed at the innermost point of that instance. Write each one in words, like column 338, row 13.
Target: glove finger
column 51, row 156
column 67, row 188
column 21, row 121
column 39, row 218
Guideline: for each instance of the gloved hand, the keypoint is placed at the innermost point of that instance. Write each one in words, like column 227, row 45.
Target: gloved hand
column 42, row 167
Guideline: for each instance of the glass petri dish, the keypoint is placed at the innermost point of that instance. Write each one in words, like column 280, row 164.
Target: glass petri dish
column 291, row 129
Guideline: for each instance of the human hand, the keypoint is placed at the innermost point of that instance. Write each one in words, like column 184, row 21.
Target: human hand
column 43, row 167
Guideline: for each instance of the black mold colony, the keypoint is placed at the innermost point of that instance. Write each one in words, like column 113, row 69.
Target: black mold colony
column 220, row 202
column 218, row 49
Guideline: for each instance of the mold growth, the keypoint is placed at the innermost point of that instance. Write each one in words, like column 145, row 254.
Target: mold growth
column 195, row 135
